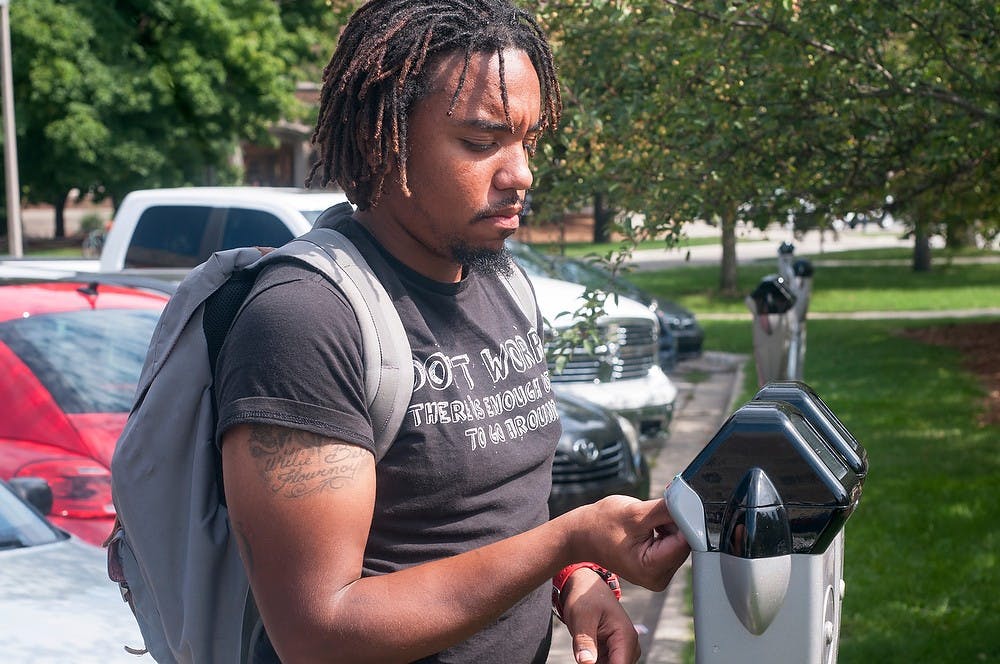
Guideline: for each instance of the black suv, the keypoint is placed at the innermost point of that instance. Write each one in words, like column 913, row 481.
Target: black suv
column 598, row 455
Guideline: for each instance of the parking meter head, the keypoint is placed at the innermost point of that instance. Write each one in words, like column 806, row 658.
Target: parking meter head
column 818, row 490
column 786, row 248
column 805, row 399
column 755, row 523
column 773, row 295
column 802, row 268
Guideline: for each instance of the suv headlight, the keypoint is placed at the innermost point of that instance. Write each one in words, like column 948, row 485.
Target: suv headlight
column 631, row 437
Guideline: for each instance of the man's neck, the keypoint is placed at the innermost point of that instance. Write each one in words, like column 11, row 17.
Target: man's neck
column 408, row 249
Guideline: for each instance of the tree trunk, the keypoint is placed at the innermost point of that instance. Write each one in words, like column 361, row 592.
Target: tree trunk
column 602, row 219
column 728, row 282
column 60, row 209
column 921, row 247
column 959, row 235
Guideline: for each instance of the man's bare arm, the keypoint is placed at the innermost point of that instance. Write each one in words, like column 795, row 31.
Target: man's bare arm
column 302, row 506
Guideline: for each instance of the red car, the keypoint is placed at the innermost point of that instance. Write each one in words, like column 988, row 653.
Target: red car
column 70, row 357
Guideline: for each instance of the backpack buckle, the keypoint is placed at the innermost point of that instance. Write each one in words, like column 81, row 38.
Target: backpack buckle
column 115, row 570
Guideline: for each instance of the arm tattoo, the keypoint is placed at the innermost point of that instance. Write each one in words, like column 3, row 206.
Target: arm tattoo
column 298, row 463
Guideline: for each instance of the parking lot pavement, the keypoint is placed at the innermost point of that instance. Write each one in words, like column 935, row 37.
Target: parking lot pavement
column 707, row 387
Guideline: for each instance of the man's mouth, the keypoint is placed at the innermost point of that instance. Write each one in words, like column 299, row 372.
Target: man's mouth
column 505, row 212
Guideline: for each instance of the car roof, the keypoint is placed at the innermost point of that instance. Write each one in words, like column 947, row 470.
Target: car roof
column 20, row 300
column 297, row 198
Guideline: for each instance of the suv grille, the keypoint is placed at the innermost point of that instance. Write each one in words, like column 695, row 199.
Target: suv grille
column 569, row 469
column 630, row 349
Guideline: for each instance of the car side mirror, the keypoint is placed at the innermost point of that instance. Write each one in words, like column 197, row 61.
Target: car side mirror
column 35, row 491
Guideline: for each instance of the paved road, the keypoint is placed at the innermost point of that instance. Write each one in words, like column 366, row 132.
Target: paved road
column 756, row 245
column 40, row 221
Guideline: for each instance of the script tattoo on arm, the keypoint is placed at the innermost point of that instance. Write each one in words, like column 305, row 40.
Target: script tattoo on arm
column 299, row 463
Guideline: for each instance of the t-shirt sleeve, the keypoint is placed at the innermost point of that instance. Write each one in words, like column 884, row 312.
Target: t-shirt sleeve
column 293, row 359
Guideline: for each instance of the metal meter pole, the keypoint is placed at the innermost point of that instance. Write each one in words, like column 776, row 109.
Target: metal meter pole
column 10, row 138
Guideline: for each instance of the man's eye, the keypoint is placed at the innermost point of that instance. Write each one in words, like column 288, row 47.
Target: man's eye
column 477, row 146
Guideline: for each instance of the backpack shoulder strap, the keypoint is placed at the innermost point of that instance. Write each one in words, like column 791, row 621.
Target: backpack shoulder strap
column 385, row 347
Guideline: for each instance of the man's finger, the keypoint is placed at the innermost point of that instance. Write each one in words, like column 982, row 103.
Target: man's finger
column 585, row 648
column 655, row 514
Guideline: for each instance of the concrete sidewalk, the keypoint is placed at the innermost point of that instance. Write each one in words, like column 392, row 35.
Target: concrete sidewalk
column 813, row 244
column 707, row 389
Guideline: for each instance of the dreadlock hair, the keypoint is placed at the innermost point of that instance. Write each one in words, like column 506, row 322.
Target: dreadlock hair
column 381, row 67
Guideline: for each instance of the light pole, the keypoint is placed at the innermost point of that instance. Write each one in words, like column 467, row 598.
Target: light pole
column 10, row 138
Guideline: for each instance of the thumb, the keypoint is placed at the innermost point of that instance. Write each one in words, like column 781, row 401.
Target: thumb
column 584, row 648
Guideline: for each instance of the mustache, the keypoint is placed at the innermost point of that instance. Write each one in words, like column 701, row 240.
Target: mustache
column 501, row 207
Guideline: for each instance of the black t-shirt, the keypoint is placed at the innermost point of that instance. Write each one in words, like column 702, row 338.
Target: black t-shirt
column 472, row 462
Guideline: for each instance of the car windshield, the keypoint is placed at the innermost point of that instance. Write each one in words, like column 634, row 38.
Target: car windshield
column 584, row 273
column 88, row 360
column 536, row 263
column 20, row 526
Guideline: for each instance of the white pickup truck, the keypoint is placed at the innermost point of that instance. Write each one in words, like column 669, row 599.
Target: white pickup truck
column 163, row 233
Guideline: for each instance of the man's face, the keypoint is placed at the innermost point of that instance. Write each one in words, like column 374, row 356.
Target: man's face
column 467, row 172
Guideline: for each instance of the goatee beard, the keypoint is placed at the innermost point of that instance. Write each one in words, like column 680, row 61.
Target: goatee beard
column 483, row 261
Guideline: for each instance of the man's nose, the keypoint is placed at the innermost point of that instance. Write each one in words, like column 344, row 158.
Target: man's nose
column 515, row 170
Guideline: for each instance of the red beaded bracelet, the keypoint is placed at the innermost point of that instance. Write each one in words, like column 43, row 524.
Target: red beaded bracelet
column 560, row 579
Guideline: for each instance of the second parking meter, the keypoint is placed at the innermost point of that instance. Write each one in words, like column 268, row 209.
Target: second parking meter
column 798, row 276
column 802, row 271
column 771, row 304
column 786, row 255
column 805, row 399
column 763, row 507
column 801, row 281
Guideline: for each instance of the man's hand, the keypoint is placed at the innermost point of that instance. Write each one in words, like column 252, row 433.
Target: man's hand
column 637, row 539
column 602, row 631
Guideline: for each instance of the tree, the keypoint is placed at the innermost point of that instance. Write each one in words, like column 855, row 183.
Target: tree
column 924, row 76
column 116, row 96
column 678, row 128
column 59, row 83
column 757, row 111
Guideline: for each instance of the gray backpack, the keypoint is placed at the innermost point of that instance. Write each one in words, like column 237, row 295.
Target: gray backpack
column 171, row 551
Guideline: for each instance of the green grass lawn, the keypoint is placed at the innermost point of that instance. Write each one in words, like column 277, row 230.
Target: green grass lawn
column 839, row 288
column 59, row 252
column 923, row 583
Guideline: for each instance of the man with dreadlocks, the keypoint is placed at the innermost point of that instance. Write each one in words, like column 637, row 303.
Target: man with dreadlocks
column 439, row 548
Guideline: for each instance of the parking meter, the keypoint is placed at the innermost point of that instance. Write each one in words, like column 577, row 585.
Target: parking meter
column 805, row 399
column 802, row 273
column 786, row 255
column 801, row 281
column 801, row 396
column 771, row 304
column 798, row 275
column 763, row 507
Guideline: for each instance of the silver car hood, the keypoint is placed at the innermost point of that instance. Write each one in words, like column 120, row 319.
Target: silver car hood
column 58, row 605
